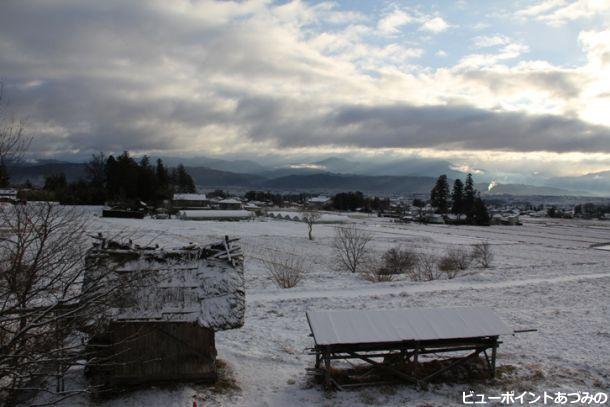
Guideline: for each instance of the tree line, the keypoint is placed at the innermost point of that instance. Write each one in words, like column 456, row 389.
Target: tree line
column 463, row 200
column 351, row 201
column 119, row 179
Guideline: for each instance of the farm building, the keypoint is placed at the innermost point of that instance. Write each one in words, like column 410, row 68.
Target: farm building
column 188, row 201
column 8, row 195
column 161, row 326
column 318, row 201
column 219, row 215
column 229, row 204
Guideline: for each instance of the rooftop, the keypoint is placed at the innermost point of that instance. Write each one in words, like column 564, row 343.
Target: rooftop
column 408, row 324
column 199, row 284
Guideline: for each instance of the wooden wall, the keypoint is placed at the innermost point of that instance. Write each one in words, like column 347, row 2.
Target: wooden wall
column 134, row 353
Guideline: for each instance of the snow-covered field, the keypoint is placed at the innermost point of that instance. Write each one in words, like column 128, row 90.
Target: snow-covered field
column 546, row 275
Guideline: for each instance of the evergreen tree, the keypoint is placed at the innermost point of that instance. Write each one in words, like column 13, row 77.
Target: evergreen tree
column 162, row 179
column 457, row 198
column 183, row 181
column 112, row 178
column 439, row 196
column 469, row 196
column 480, row 216
column 147, row 180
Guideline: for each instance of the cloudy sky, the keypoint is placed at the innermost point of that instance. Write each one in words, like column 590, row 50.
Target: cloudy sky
column 509, row 86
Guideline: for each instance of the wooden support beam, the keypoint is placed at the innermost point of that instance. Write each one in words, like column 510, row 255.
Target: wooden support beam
column 387, row 368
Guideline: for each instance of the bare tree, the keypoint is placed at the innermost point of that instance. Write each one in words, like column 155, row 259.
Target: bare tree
column 43, row 301
column 351, row 249
column 310, row 217
column 426, row 268
column 482, row 254
column 13, row 143
column 285, row 269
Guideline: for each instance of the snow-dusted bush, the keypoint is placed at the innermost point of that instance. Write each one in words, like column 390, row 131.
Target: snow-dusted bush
column 286, row 270
column 351, row 248
column 398, row 260
column 453, row 262
column 482, row 254
column 426, row 268
column 377, row 274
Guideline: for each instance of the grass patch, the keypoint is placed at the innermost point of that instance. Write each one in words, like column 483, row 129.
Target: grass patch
column 226, row 383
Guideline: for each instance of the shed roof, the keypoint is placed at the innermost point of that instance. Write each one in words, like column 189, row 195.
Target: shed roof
column 409, row 324
column 199, row 284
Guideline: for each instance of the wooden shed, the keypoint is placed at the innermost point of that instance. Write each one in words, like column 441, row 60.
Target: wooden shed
column 161, row 327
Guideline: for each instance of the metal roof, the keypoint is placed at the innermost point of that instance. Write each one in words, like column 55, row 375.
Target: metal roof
column 396, row 325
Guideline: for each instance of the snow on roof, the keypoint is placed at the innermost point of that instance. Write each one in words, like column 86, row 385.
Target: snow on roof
column 409, row 324
column 189, row 284
column 319, row 199
column 190, row 197
column 230, row 200
column 195, row 214
column 8, row 192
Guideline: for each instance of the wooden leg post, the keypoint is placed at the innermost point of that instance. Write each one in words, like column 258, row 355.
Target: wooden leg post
column 493, row 358
column 326, row 370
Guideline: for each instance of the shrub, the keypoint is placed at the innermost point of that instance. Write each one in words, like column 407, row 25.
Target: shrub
column 482, row 254
column 286, row 270
column 399, row 261
column 426, row 268
column 454, row 261
column 378, row 274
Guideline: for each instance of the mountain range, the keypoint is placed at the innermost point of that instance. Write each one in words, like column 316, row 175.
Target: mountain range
column 406, row 176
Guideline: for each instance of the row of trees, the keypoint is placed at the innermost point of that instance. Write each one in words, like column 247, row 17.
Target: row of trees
column 591, row 210
column 463, row 200
column 120, row 179
column 351, row 201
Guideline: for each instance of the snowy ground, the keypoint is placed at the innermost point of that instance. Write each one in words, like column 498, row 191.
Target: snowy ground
column 547, row 275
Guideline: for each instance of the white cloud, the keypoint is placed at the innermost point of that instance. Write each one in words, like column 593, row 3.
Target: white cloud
column 390, row 24
column 435, row 25
column 490, row 41
column 559, row 12
column 440, row 53
column 510, row 51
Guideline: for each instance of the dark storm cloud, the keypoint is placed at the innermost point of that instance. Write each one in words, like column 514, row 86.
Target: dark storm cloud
column 412, row 127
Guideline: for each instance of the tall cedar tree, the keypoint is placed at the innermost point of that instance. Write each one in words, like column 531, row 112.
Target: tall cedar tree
column 457, row 198
column 439, row 196
column 183, row 181
column 163, row 186
column 147, row 180
column 469, row 196
column 480, row 216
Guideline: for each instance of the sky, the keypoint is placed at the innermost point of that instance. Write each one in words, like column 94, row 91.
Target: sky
column 511, row 87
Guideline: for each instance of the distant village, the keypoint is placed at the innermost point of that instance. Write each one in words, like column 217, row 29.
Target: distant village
column 224, row 206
